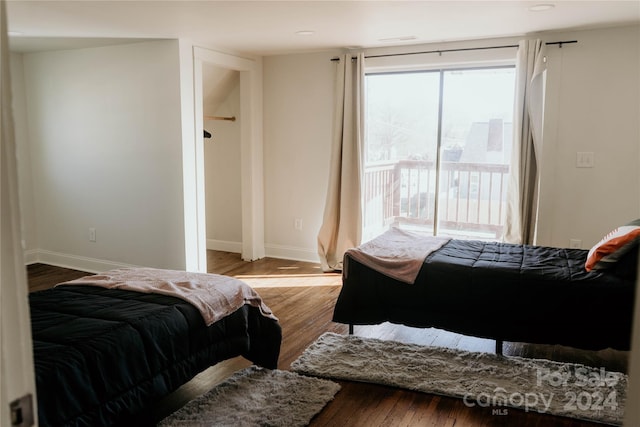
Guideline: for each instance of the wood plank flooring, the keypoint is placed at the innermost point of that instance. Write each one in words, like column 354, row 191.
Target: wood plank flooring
column 303, row 298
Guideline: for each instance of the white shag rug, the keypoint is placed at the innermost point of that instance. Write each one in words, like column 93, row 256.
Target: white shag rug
column 257, row 397
column 480, row 379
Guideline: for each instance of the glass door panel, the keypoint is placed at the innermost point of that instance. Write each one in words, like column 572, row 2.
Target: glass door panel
column 477, row 115
column 401, row 151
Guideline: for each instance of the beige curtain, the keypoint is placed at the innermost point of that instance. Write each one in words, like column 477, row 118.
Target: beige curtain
column 522, row 192
column 341, row 227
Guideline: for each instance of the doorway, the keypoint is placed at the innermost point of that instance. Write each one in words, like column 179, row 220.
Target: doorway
column 249, row 126
column 223, row 201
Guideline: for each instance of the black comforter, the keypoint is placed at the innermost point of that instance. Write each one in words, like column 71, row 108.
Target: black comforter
column 500, row 291
column 102, row 356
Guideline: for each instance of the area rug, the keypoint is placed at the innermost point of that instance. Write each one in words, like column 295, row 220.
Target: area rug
column 479, row 379
column 257, row 397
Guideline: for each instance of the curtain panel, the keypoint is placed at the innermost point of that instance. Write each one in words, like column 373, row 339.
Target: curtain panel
column 523, row 188
column 342, row 221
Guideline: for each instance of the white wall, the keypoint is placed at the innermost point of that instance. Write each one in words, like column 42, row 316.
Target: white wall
column 105, row 138
column 298, row 115
column 105, row 142
column 25, row 185
column 592, row 105
column 222, row 175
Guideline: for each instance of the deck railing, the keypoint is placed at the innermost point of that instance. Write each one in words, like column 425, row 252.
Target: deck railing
column 471, row 200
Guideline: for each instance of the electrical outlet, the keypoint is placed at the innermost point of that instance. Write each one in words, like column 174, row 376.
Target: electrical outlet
column 22, row 411
column 92, row 234
column 297, row 224
column 585, row 159
column 575, row 244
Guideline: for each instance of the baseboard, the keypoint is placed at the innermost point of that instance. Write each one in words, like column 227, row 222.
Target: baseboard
column 292, row 253
column 223, row 245
column 75, row 262
column 30, row 256
column 271, row 251
column 94, row 265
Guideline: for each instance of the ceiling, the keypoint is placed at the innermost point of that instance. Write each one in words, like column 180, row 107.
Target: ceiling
column 269, row 27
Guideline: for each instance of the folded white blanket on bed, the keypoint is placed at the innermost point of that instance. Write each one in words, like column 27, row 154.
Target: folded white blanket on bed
column 396, row 253
column 216, row 296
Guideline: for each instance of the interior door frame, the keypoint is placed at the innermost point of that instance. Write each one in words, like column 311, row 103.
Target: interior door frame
column 251, row 152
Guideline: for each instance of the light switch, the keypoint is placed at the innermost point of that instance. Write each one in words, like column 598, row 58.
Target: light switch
column 584, row 159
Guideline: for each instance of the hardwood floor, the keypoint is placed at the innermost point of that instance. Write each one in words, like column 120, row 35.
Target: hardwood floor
column 303, row 298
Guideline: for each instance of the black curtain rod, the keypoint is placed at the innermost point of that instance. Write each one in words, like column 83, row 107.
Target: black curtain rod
column 464, row 49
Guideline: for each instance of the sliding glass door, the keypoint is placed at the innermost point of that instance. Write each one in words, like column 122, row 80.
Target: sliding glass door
column 437, row 151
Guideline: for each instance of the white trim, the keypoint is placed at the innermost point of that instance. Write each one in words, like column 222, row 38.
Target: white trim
column 94, row 265
column 193, row 245
column 292, row 253
column 429, row 62
column 251, row 148
column 75, row 262
column 17, row 376
column 225, row 246
column 272, row 251
column 30, row 256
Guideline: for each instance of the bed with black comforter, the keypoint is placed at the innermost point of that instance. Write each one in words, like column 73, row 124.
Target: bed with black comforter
column 499, row 291
column 103, row 356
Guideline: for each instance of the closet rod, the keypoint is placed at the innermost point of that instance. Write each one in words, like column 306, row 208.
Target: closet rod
column 231, row 119
column 464, row 49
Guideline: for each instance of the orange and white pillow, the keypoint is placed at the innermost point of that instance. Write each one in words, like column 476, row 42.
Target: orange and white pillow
column 613, row 246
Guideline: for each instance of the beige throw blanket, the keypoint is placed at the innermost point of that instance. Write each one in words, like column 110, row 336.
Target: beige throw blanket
column 396, row 253
column 214, row 295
